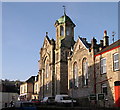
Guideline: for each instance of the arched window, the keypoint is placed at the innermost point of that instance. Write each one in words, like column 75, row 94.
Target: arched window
column 47, row 70
column 68, row 31
column 85, row 72
column 61, row 31
column 75, row 74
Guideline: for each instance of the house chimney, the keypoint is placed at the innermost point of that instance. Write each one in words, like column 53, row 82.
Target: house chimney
column 93, row 45
column 84, row 39
column 101, row 43
column 93, row 41
column 105, row 39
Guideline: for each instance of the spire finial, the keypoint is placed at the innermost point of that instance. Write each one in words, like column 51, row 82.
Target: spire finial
column 46, row 33
column 64, row 9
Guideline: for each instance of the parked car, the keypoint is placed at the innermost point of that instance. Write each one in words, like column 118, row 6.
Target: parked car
column 25, row 105
column 48, row 100
column 64, row 100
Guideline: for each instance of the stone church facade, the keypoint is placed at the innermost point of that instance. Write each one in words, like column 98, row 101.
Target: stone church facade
column 74, row 67
column 46, row 70
column 53, row 71
column 79, row 68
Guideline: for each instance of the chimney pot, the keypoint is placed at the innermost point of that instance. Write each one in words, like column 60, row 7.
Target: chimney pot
column 105, row 39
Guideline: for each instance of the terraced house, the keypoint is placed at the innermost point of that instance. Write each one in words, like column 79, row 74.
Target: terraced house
column 29, row 89
column 107, row 70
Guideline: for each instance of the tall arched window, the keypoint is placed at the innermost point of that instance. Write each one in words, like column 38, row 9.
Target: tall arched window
column 75, row 74
column 85, row 72
column 68, row 31
column 47, row 70
column 61, row 31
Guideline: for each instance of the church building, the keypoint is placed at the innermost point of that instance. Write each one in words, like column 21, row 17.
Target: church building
column 79, row 68
column 53, row 61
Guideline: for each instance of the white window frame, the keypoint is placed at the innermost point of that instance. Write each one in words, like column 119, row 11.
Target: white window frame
column 115, row 61
column 103, row 66
column 25, row 88
column 104, row 86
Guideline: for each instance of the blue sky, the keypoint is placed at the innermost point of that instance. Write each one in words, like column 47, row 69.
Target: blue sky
column 24, row 25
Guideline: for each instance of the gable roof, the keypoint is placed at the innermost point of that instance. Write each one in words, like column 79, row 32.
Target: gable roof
column 51, row 42
column 31, row 79
column 46, row 37
column 84, row 43
column 87, row 45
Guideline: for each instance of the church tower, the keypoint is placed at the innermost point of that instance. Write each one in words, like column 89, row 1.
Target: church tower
column 64, row 42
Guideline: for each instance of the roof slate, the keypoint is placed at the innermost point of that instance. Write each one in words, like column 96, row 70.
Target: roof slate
column 31, row 79
column 113, row 45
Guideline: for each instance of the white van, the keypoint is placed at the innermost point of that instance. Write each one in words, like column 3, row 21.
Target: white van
column 63, row 99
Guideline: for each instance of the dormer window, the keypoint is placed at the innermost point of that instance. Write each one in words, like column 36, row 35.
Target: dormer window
column 61, row 31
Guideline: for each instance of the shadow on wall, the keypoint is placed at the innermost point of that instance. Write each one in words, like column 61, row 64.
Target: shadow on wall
column 103, row 84
column 93, row 86
column 49, row 89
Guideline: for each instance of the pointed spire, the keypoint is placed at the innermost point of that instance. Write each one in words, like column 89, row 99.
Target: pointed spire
column 64, row 9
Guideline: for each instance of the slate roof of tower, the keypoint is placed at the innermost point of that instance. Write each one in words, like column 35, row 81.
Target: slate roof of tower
column 64, row 19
